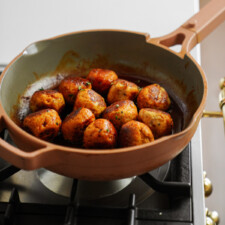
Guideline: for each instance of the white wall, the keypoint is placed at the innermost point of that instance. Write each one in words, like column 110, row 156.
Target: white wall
column 25, row 21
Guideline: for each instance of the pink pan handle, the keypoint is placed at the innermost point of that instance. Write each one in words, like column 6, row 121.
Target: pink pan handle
column 194, row 30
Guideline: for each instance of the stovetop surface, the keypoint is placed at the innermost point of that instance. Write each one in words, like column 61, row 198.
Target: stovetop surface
column 171, row 203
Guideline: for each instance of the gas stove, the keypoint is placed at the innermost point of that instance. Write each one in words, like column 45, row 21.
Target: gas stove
column 172, row 194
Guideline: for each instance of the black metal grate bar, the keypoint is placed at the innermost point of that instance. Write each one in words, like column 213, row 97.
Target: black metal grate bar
column 70, row 218
column 8, row 171
column 10, row 212
column 171, row 188
column 132, row 210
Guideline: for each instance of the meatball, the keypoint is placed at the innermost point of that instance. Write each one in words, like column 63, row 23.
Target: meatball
column 135, row 133
column 91, row 100
column 153, row 96
column 121, row 112
column 70, row 86
column 102, row 79
column 44, row 124
column 158, row 121
column 47, row 99
column 75, row 123
column 101, row 134
column 122, row 90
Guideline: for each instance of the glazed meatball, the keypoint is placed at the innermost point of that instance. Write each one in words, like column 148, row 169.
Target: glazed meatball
column 102, row 79
column 71, row 85
column 153, row 96
column 121, row 112
column 44, row 124
column 47, row 99
column 91, row 100
column 101, row 134
column 75, row 123
column 122, row 90
column 158, row 121
column 135, row 133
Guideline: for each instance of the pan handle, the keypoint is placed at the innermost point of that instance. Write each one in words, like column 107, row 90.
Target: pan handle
column 35, row 159
column 194, row 30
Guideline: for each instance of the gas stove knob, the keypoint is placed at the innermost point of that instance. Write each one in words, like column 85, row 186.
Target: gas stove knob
column 209, row 221
column 214, row 215
column 207, row 186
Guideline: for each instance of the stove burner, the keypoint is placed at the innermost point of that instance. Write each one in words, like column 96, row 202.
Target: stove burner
column 86, row 189
column 105, row 192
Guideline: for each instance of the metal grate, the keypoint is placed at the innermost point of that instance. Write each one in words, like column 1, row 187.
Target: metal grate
column 177, row 189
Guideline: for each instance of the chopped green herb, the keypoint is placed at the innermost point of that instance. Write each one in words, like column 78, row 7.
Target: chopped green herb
column 140, row 88
column 87, row 83
column 41, row 89
column 79, row 88
column 107, row 130
column 117, row 106
column 117, row 118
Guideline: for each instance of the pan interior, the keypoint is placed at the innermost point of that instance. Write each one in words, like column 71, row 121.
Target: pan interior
column 46, row 62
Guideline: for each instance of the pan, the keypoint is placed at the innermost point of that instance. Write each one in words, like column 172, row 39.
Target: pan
column 127, row 53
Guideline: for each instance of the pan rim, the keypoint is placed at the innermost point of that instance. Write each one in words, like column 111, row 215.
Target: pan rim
column 196, row 116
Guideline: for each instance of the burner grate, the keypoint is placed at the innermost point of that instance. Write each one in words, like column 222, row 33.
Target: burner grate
column 177, row 190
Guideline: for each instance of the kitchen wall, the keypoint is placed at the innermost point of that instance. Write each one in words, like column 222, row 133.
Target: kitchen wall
column 26, row 21
column 213, row 63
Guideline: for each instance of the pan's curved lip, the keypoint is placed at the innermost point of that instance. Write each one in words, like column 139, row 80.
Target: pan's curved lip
column 40, row 142
column 146, row 35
